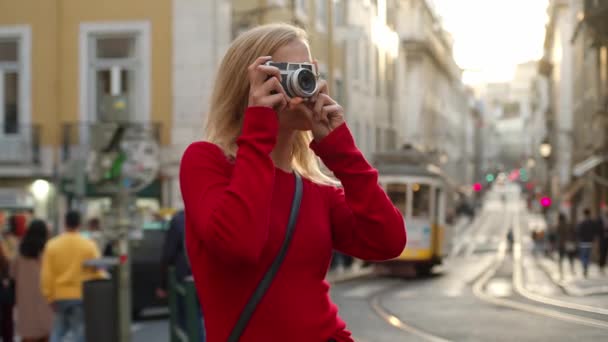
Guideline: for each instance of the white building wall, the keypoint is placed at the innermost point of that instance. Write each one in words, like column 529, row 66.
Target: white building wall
column 366, row 112
column 563, row 58
column 201, row 35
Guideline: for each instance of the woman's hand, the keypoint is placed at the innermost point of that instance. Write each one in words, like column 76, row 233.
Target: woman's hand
column 327, row 113
column 266, row 91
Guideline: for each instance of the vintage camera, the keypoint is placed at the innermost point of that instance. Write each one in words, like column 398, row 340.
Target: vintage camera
column 297, row 79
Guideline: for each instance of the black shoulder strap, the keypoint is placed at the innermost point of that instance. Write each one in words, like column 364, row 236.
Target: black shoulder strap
column 264, row 284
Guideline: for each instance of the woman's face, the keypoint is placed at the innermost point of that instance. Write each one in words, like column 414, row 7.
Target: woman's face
column 296, row 117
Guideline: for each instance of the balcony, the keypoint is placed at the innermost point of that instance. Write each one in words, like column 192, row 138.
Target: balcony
column 19, row 145
column 596, row 17
column 78, row 138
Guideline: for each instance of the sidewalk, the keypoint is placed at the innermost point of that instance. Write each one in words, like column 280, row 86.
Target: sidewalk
column 356, row 271
column 573, row 283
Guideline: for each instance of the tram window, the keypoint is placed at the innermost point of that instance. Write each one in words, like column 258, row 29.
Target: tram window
column 397, row 193
column 421, row 200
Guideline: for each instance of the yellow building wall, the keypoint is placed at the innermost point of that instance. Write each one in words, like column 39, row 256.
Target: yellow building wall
column 55, row 29
column 41, row 16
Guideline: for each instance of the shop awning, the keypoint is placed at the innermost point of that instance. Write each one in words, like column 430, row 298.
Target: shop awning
column 572, row 188
column 588, row 165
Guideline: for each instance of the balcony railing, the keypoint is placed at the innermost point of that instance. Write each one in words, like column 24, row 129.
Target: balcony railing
column 77, row 138
column 20, row 144
column 596, row 16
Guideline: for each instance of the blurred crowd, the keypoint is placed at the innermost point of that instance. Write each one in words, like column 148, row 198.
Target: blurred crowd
column 41, row 279
column 586, row 241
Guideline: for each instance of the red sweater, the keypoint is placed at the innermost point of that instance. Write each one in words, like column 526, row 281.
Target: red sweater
column 236, row 216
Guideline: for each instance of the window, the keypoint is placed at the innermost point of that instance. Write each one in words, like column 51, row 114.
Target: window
column 14, row 48
column 115, row 66
column 300, row 7
column 421, row 200
column 398, row 195
column 10, row 101
column 356, row 48
column 114, row 71
column 339, row 12
column 339, row 91
column 321, row 13
column 379, row 78
column 390, row 139
column 379, row 139
column 368, row 137
column 276, row 2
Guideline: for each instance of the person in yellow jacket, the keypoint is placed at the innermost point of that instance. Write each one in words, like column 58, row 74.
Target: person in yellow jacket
column 63, row 273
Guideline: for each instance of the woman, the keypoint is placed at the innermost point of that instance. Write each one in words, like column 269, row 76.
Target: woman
column 35, row 315
column 238, row 188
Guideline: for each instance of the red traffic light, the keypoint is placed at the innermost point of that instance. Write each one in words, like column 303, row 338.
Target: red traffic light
column 545, row 202
column 477, row 187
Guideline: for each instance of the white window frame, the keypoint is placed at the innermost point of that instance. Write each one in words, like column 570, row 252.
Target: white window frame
column 280, row 3
column 301, row 9
column 141, row 29
column 23, row 35
column 321, row 26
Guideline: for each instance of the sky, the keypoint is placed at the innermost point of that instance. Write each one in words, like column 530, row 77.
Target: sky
column 492, row 36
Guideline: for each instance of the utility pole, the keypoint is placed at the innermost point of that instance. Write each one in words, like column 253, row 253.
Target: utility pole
column 120, row 205
column 124, row 160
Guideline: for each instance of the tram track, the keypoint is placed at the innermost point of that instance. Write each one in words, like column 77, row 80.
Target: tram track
column 375, row 302
column 528, row 301
column 486, row 221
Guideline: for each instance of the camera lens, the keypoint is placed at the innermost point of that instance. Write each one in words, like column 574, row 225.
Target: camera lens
column 303, row 83
column 307, row 81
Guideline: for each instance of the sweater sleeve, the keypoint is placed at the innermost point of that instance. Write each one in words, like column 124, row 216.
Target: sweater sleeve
column 365, row 223
column 228, row 213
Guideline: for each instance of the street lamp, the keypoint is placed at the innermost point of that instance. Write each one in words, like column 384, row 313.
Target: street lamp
column 545, row 150
column 40, row 189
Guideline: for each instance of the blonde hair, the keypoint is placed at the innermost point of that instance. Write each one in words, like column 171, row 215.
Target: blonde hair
column 231, row 94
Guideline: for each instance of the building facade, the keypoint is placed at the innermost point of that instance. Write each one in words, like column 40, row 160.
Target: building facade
column 576, row 62
column 559, row 54
column 432, row 107
column 71, row 63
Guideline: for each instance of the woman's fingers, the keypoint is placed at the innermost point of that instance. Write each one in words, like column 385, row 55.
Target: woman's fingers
column 256, row 77
column 272, row 85
column 321, row 89
column 277, row 101
column 270, row 71
column 293, row 102
column 331, row 109
column 322, row 101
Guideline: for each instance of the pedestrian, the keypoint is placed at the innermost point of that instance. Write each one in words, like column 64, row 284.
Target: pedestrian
column 566, row 242
column 35, row 316
column 586, row 231
column 174, row 255
column 239, row 189
column 12, row 235
column 94, row 233
column 603, row 240
column 63, row 273
column 7, row 298
column 9, row 245
column 510, row 240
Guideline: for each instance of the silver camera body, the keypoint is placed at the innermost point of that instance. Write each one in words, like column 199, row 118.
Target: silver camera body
column 297, row 79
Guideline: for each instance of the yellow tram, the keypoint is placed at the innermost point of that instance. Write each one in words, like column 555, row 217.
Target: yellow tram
column 417, row 189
